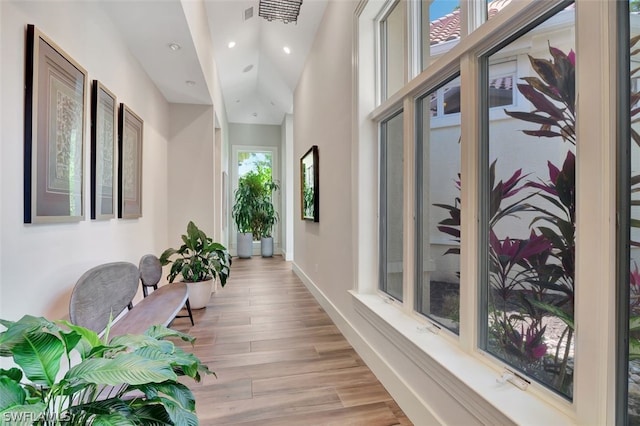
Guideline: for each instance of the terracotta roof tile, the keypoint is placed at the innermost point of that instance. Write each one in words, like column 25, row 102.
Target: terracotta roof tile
column 448, row 27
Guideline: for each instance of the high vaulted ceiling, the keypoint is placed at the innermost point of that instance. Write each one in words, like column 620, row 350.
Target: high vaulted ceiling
column 257, row 77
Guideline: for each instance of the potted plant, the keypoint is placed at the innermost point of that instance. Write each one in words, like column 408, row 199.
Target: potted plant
column 199, row 262
column 247, row 198
column 267, row 218
column 131, row 379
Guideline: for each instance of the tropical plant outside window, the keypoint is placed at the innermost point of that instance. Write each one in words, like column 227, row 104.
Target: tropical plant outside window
column 255, row 170
column 391, row 221
column 530, row 288
column 529, row 293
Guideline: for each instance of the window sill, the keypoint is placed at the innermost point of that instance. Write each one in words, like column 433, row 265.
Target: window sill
column 467, row 379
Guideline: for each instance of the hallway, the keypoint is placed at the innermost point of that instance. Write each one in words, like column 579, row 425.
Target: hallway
column 278, row 357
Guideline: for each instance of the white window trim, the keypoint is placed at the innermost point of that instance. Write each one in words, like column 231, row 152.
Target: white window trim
column 594, row 387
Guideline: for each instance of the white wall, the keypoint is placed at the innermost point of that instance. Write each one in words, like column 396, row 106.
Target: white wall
column 191, row 169
column 324, row 255
column 41, row 263
column 289, row 165
column 322, row 111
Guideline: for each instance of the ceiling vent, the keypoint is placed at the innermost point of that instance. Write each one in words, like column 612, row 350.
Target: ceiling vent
column 248, row 13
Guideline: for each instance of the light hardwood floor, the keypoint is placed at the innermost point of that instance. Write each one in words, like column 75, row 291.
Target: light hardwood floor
column 278, row 357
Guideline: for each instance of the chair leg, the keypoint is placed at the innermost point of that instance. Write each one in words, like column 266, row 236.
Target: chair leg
column 189, row 310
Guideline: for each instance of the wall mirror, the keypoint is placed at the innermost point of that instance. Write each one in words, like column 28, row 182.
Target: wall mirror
column 310, row 185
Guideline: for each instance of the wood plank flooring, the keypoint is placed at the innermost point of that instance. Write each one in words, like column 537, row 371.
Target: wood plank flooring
column 278, row 357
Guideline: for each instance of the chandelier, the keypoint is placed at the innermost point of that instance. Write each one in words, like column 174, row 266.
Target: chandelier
column 280, row 10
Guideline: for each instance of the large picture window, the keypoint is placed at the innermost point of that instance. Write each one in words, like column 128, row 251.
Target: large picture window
column 529, row 293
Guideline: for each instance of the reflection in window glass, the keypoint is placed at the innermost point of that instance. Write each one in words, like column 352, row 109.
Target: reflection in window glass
column 634, row 275
column 439, row 23
column 391, row 206
column 530, row 290
column 438, row 218
column 392, row 36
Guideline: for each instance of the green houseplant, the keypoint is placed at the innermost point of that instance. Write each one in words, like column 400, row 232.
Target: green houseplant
column 246, row 202
column 131, row 379
column 199, row 261
column 267, row 217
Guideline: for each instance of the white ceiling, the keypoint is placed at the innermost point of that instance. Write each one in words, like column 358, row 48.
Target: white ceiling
column 259, row 95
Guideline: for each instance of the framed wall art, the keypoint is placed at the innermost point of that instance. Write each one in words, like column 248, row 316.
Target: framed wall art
column 103, row 152
column 129, row 164
column 54, row 129
column 310, row 185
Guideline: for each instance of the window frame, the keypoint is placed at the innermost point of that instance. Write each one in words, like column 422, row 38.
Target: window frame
column 596, row 43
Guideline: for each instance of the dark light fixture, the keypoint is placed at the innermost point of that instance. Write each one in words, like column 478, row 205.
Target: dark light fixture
column 280, row 10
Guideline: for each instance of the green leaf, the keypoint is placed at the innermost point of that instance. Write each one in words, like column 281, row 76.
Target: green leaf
column 113, row 419
column 39, row 356
column 634, row 323
column 14, row 374
column 161, row 332
column 178, row 414
column 554, row 310
column 15, row 332
column 124, row 368
column 89, row 335
column 634, row 349
column 178, row 392
column 11, row 393
column 152, row 414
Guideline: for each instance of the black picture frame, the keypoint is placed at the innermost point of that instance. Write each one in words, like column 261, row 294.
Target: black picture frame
column 104, row 140
column 54, row 132
column 130, row 139
column 310, row 185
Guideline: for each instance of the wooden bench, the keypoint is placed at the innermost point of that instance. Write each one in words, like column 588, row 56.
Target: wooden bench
column 106, row 290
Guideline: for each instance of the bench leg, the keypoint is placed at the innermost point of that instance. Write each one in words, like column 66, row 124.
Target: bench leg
column 189, row 310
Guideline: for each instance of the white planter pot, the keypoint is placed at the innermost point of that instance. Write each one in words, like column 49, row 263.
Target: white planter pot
column 199, row 293
column 245, row 245
column 266, row 246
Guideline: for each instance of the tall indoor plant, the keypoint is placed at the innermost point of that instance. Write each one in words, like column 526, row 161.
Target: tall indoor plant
column 130, row 379
column 267, row 217
column 247, row 198
column 199, row 262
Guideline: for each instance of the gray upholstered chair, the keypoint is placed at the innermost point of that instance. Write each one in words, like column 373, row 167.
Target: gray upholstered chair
column 88, row 307
column 150, row 274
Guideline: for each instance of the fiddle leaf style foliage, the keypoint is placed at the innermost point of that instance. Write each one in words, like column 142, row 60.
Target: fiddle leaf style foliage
column 130, row 380
column 198, row 259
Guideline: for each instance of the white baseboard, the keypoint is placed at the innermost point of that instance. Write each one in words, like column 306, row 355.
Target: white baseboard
column 412, row 405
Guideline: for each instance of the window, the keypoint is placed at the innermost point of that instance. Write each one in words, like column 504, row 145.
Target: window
column 539, row 222
column 440, row 27
column 438, row 215
column 631, row 283
column 529, row 290
column 391, row 211
column 393, row 47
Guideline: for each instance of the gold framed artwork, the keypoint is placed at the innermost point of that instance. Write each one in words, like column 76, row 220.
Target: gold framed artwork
column 130, row 137
column 54, row 129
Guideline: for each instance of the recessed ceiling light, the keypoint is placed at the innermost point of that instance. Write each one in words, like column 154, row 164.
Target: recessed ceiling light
column 190, row 83
column 286, row 50
column 231, row 44
column 174, row 46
